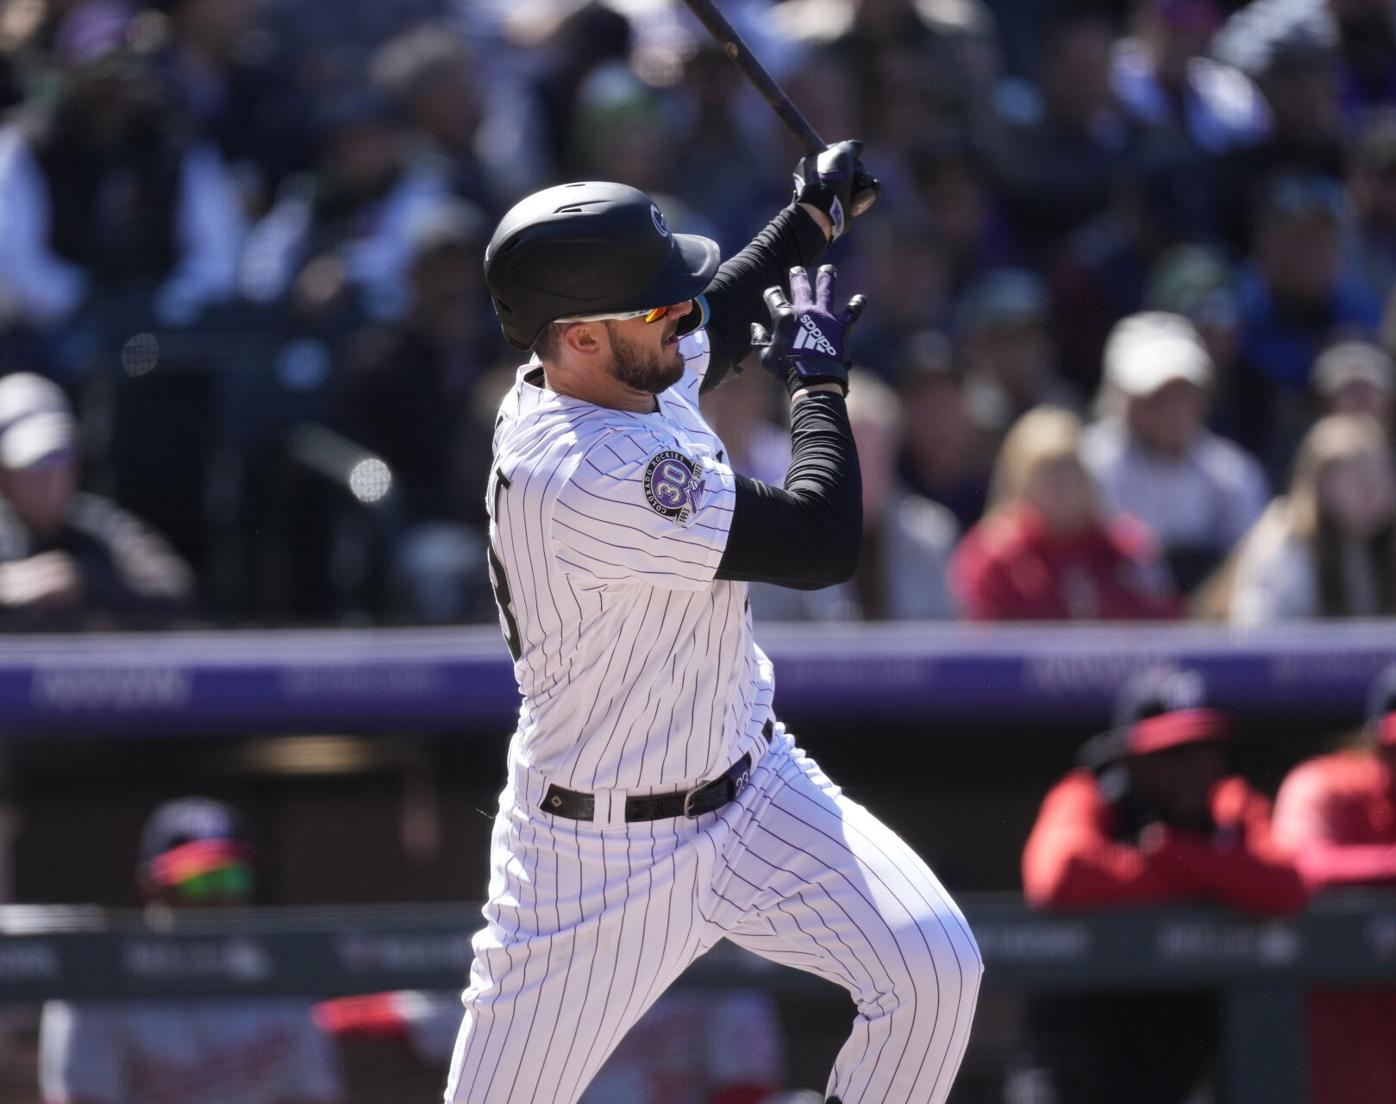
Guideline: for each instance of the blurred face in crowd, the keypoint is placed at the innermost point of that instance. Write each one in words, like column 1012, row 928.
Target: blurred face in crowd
column 938, row 430
column 1362, row 396
column 1017, row 355
column 955, row 196
column 1300, row 256
column 1359, row 493
column 1304, row 102
column 1168, row 420
column 1076, row 73
column 446, row 286
column 447, row 105
column 365, row 155
column 1061, row 491
column 42, row 495
column 1177, row 782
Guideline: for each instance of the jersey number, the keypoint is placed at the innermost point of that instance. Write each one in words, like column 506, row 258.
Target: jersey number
column 500, row 581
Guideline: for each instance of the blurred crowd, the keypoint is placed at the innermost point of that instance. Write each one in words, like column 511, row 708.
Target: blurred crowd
column 1129, row 353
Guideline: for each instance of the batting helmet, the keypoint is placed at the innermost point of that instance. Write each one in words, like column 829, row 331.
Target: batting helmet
column 589, row 248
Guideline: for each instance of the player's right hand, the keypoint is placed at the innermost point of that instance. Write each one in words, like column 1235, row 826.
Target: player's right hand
column 835, row 181
column 807, row 342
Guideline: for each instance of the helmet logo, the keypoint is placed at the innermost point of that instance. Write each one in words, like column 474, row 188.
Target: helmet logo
column 658, row 218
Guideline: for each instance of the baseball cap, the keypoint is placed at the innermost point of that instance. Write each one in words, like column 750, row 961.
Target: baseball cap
column 1002, row 299
column 36, row 423
column 1381, row 707
column 189, row 837
column 1166, row 708
column 1195, row 281
column 1350, row 362
column 1153, row 348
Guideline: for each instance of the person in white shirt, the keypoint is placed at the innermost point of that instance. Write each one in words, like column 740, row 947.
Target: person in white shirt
column 1153, row 455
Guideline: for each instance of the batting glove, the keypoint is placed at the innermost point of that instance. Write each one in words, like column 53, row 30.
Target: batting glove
column 807, row 342
column 835, row 181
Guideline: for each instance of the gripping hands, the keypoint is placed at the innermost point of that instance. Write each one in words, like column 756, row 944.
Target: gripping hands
column 807, row 342
column 835, row 181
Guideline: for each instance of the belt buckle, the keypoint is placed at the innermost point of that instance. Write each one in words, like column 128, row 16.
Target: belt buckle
column 688, row 800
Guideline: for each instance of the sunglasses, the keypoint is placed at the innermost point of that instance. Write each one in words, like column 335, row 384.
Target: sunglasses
column 654, row 314
column 234, row 880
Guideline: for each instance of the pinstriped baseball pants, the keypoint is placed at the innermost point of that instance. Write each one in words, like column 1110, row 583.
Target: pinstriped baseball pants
column 588, row 924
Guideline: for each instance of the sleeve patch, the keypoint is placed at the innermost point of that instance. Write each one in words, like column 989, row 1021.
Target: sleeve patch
column 674, row 486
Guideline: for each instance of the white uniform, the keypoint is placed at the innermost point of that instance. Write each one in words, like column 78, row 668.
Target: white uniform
column 640, row 675
column 182, row 1052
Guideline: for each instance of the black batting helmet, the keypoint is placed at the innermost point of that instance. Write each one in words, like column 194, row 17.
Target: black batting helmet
column 589, row 248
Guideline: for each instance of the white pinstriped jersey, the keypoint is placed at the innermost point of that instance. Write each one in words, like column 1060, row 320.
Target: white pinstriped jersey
column 638, row 670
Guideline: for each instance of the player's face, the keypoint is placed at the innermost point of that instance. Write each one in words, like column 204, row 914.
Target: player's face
column 645, row 355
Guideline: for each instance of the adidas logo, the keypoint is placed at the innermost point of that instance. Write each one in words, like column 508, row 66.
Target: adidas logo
column 809, row 337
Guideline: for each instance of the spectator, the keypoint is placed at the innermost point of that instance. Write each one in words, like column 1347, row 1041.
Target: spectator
column 1058, row 168
column 1151, row 817
column 1294, row 298
column 1328, row 547
column 234, row 90
column 1163, row 76
column 907, row 539
column 1007, row 350
column 904, row 266
column 1047, row 549
column 1357, row 377
column 953, row 186
column 1369, row 245
column 1288, row 48
column 101, row 196
column 194, row 853
column 944, row 457
column 723, row 162
column 1337, row 816
column 1197, row 282
column 339, row 243
column 410, row 394
column 433, row 77
column 1152, row 453
column 70, row 560
column 1101, row 272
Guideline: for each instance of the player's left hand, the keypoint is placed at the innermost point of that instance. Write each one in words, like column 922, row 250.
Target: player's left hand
column 808, row 342
column 835, row 181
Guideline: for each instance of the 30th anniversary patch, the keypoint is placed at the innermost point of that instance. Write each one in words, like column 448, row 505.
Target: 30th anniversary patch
column 673, row 485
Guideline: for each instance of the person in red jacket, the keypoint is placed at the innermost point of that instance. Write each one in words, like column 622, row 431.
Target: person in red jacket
column 1150, row 817
column 1047, row 550
column 1336, row 814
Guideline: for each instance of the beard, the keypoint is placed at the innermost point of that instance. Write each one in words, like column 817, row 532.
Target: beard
column 644, row 369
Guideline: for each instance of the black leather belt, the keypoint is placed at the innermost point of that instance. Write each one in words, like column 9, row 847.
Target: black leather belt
column 702, row 799
column 690, row 803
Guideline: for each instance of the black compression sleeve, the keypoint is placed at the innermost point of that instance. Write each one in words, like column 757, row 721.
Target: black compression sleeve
column 806, row 534
column 734, row 296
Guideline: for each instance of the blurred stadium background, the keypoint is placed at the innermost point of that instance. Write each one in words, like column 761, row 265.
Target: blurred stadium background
column 248, row 371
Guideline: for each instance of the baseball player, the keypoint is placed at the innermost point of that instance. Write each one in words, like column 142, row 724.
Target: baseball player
column 194, row 853
column 654, row 803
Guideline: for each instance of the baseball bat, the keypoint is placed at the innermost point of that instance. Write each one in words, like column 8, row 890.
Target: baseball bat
column 736, row 48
